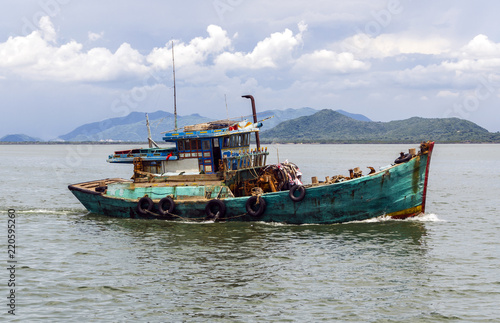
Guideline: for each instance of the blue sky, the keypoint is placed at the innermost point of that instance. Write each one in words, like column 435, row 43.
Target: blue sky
column 68, row 62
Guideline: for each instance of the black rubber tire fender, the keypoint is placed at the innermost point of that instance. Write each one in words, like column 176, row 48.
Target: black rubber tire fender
column 166, row 206
column 220, row 208
column 302, row 193
column 403, row 159
column 145, row 205
column 251, row 202
column 101, row 189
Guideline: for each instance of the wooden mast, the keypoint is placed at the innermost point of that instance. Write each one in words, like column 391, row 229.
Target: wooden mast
column 175, row 94
column 150, row 139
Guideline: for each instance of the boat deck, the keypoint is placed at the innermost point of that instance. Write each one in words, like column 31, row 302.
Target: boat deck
column 100, row 186
column 198, row 179
column 97, row 186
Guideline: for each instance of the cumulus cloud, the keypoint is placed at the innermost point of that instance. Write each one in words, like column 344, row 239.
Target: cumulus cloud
column 480, row 47
column 462, row 68
column 39, row 56
column 95, row 36
column 47, row 30
column 325, row 61
column 36, row 56
column 390, row 45
column 420, row 76
column 197, row 51
column 480, row 55
column 459, row 68
column 447, row 94
column 272, row 52
column 209, row 58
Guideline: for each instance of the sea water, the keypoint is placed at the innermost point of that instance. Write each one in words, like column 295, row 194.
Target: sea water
column 71, row 266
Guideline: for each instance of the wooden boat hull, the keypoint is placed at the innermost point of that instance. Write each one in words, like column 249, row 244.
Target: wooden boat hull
column 398, row 192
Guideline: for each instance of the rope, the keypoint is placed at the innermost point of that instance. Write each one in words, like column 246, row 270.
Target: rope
column 285, row 173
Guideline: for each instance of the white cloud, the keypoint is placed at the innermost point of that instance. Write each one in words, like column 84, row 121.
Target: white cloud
column 22, row 51
column 272, row 52
column 35, row 56
column 321, row 61
column 480, row 47
column 94, row 36
column 462, row 69
column 196, row 52
column 424, row 76
column 389, row 45
column 472, row 65
column 480, row 55
column 274, row 60
column 47, row 29
column 447, row 94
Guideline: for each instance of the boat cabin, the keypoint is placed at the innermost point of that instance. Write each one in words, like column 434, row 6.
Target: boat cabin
column 214, row 146
column 200, row 149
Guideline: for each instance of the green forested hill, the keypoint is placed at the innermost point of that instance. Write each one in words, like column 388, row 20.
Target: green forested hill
column 328, row 126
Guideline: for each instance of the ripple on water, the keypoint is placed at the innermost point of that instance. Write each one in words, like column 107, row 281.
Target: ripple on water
column 439, row 267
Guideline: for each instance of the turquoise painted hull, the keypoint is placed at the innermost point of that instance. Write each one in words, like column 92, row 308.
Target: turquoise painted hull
column 399, row 192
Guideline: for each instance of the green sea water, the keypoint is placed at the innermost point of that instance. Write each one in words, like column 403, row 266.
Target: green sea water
column 72, row 266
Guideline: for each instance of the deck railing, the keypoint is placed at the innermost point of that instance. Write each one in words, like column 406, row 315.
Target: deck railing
column 248, row 159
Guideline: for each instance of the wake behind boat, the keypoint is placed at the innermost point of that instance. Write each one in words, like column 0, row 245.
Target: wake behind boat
column 212, row 174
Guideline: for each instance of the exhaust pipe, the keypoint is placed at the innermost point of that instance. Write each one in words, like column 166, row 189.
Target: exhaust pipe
column 257, row 139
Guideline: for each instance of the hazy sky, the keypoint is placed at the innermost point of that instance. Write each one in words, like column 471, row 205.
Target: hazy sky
column 68, row 62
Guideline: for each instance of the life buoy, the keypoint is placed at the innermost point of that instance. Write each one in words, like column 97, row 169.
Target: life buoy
column 403, row 158
column 166, row 206
column 252, row 202
column 302, row 193
column 215, row 209
column 145, row 205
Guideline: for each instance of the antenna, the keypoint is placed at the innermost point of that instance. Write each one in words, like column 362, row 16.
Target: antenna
column 175, row 95
column 227, row 110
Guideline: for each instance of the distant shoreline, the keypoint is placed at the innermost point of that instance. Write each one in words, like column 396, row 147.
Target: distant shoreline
column 32, row 143
column 73, row 143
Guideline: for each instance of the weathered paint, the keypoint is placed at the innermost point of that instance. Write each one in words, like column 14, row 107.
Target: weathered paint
column 426, row 180
column 398, row 191
column 128, row 190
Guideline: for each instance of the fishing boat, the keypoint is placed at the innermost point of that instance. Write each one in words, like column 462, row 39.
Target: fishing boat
column 211, row 173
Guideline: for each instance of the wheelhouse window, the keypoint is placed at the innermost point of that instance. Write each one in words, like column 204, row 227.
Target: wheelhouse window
column 237, row 140
column 189, row 148
column 206, row 145
column 245, row 139
column 226, row 142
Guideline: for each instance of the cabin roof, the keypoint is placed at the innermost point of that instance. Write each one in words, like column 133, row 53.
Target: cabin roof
column 147, row 154
column 175, row 136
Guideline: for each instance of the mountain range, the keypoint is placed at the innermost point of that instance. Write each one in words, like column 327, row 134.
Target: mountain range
column 328, row 126
column 304, row 125
column 19, row 138
column 133, row 126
